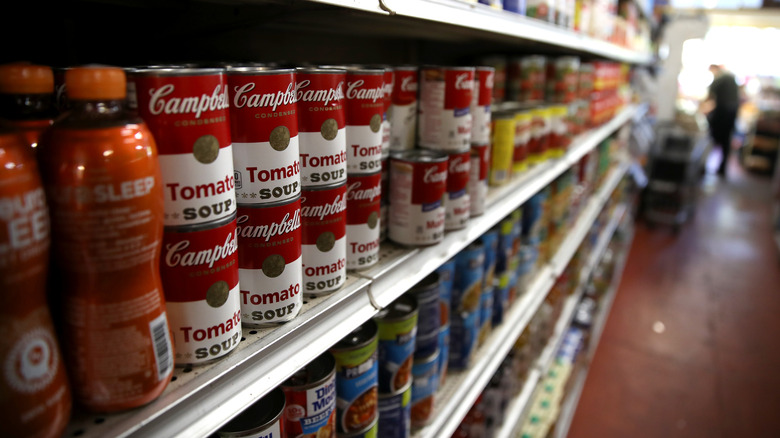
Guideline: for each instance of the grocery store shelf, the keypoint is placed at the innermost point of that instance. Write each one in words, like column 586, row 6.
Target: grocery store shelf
column 517, row 408
column 203, row 398
column 462, row 389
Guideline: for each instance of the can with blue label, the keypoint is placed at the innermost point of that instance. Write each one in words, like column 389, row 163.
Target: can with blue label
column 395, row 414
column 444, row 352
column 464, row 330
column 425, row 383
column 397, row 327
column 485, row 314
column 356, row 379
column 429, row 320
column 500, row 298
column 446, row 277
column 467, row 285
column 490, row 242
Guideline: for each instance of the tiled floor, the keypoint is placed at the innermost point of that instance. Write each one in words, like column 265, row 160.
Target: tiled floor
column 711, row 368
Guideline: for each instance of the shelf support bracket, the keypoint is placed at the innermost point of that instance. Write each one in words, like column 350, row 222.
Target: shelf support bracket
column 385, row 8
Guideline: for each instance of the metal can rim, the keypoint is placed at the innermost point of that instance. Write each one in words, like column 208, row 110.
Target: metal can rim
column 258, row 70
column 205, row 226
column 270, row 204
column 419, row 156
column 276, row 395
column 371, row 336
column 186, row 71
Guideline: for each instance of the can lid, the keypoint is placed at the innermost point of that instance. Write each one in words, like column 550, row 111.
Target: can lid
column 362, row 335
column 256, row 417
column 24, row 78
column 404, row 307
column 313, row 373
column 419, row 155
column 96, row 83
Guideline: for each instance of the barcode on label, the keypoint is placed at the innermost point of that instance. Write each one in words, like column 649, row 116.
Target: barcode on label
column 162, row 346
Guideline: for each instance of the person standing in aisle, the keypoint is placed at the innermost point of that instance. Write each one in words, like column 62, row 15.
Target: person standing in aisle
column 723, row 98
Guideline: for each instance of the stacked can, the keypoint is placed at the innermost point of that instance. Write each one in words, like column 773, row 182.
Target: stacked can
column 465, row 307
column 446, row 276
column 357, row 381
column 264, row 127
column 187, row 111
column 310, row 394
column 397, row 327
column 323, row 158
column 425, row 369
column 502, row 148
column 364, row 113
column 403, row 109
column 480, row 138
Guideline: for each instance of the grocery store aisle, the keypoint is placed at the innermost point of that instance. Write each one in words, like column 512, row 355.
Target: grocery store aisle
column 690, row 348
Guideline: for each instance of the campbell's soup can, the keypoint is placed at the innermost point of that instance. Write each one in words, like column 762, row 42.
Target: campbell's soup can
column 499, row 65
column 388, row 80
column 502, row 150
column 270, row 262
column 444, row 112
column 478, row 178
column 264, row 130
column 199, row 269
column 522, row 140
column 481, row 98
column 356, row 379
column 324, row 244
column 365, row 107
column 403, row 109
column 322, row 136
column 533, row 72
column 425, row 382
column 427, row 294
column 397, row 325
column 457, row 201
column 419, row 184
column 364, row 193
column 395, row 413
column 264, row 418
column 384, row 203
column 36, row 396
column 187, row 111
column 311, row 399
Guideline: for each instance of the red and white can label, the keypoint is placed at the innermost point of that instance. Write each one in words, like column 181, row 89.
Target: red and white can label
column 480, row 104
column 264, row 128
column 403, row 109
column 321, row 127
column 199, row 271
column 188, row 116
column 365, row 106
column 444, row 112
column 478, row 178
column 388, row 82
column 324, row 213
column 457, row 204
column 364, row 193
column 416, row 215
column 269, row 260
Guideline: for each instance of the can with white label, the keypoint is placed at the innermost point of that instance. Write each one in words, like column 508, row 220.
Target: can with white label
column 324, row 244
column 403, row 109
column 445, row 108
column 365, row 106
column 457, row 201
column 199, row 270
column 419, row 183
column 264, row 129
column 270, row 263
column 364, row 194
column 322, row 138
column 187, row 111
column 478, row 178
column 481, row 98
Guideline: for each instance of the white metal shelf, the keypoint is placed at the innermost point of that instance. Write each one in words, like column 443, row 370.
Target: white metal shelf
column 517, row 408
column 203, row 398
column 461, row 389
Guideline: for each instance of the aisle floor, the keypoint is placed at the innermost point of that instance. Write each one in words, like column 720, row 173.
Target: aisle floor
column 690, row 348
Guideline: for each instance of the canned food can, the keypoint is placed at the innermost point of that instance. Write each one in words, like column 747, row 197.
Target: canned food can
column 403, row 109
column 199, row 270
column 566, row 79
column 384, row 200
column 559, row 140
column 481, row 98
column 446, row 277
column 356, row 379
column 311, row 399
column 324, row 245
column 490, row 242
column 522, row 139
column 187, row 111
column 478, row 178
column 264, row 418
column 321, row 126
column 457, row 202
column 270, row 263
column 464, row 331
column 425, row 383
column 499, row 65
column 444, row 352
column 388, row 82
column 503, row 148
column 444, row 113
column 397, row 325
column 469, row 274
column 427, row 292
column 485, row 314
column 533, row 72
column 395, row 413
column 264, row 129
column 364, row 194
column 365, row 107
column 500, row 298
column 416, row 215
column 540, row 130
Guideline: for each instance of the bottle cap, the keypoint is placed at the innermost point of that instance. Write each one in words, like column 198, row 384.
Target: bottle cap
column 95, row 83
column 25, row 78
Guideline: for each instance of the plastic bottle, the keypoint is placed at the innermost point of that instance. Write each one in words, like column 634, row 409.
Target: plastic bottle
column 27, row 99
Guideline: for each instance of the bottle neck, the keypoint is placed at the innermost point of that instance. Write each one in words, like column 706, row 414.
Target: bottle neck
column 96, row 113
column 27, row 106
column 98, row 107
